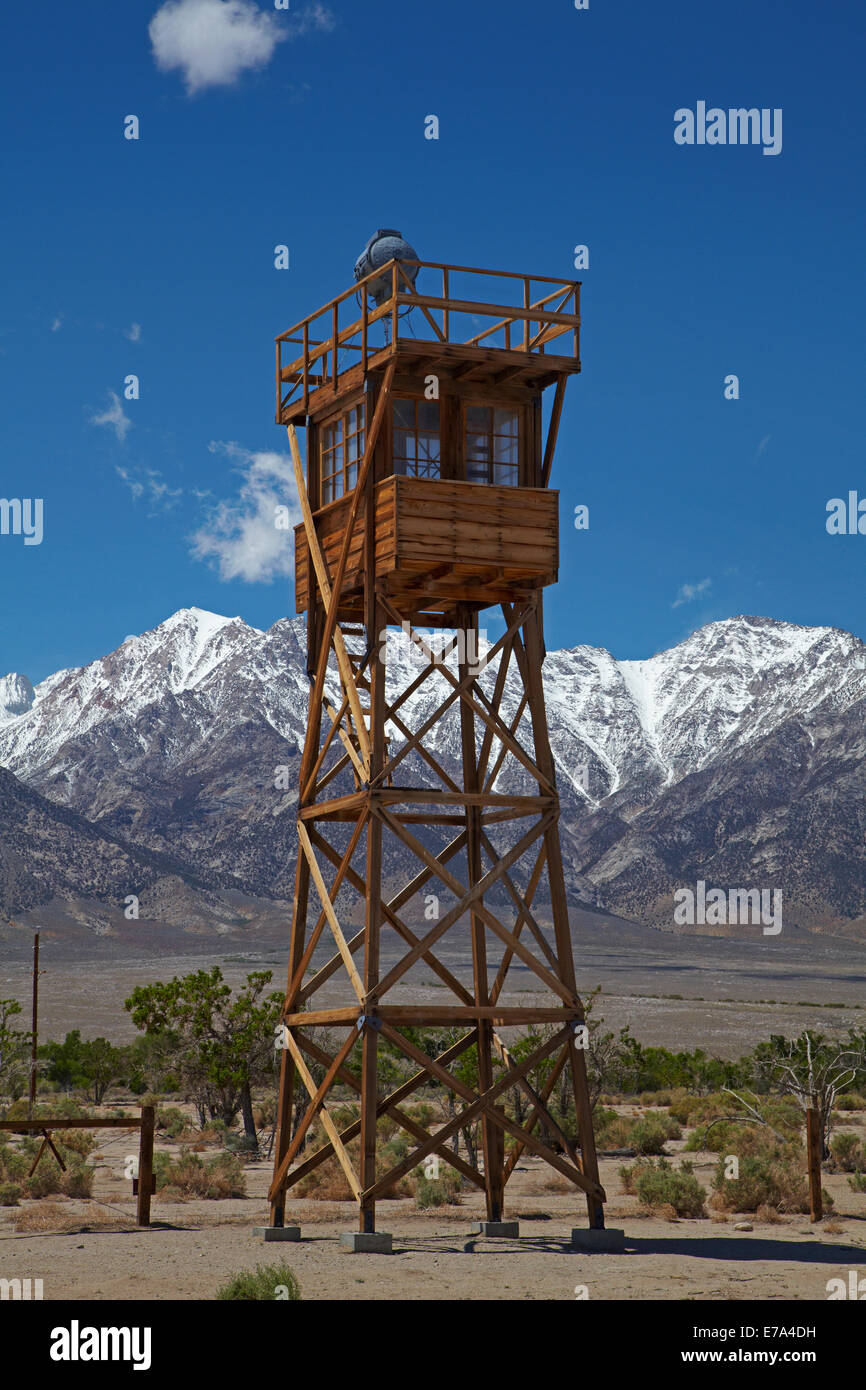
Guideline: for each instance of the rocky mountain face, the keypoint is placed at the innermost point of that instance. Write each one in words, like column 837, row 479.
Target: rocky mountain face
column 737, row 757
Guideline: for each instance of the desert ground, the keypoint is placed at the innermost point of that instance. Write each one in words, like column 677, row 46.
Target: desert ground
column 721, row 995
column 677, row 991
column 93, row 1250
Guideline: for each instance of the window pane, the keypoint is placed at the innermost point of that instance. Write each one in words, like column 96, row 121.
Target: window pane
column 417, row 443
column 505, row 450
column 478, row 416
column 404, row 444
column 505, row 422
column 477, row 446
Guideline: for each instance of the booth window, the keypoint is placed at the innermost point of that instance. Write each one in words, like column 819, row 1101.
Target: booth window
column 342, row 449
column 492, row 440
column 417, row 439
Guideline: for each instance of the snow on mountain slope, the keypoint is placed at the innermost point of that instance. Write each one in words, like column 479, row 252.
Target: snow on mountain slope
column 745, row 740
column 637, row 726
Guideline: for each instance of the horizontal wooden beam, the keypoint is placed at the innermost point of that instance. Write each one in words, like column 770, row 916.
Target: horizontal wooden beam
column 112, row 1122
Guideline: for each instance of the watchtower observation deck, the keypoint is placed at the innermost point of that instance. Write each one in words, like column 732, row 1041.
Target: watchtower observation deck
column 459, row 505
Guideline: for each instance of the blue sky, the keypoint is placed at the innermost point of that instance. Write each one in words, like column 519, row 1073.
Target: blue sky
column 155, row 257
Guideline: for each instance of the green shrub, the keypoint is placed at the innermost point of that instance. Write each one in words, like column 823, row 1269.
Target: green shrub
column 266, row 1283
column 171, row 1121
column 13, row 1164
column 690, row 1109
column 77, row 1181
column 648, row 1098
column 770, row 1174
column 847, row 1153
column 850, row 1101
column 47, row 1181
column 611, row 1130
column 438, row 1192
column 10, row 1194
column 727, row 1136
column 76, row 1141
column 423, row 1114
column 648, row 1134
column 858, row 1182
column 658, row 1184
column 242, row 1144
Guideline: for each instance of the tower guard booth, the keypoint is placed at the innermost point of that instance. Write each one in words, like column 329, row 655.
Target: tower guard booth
column 429, row 885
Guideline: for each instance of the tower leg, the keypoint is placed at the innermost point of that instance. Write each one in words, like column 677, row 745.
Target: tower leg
column 531, row 664
column 287, row 1065
column 492, row 1138
column 372, row 921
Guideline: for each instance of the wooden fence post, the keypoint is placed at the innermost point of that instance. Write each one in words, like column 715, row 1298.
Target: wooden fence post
column 813, row 1150
column 145, row 1164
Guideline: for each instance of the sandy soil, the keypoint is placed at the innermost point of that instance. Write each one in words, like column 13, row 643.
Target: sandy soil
column 92, row 1250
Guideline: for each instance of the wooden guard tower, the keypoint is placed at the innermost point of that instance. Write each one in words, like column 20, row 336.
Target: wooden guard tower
column 425, row 500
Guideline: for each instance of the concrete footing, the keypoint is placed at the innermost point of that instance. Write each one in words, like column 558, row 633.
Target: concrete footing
column 278, row 1232
column 508, row 1230
column 611, row 1240
column 367, row 1242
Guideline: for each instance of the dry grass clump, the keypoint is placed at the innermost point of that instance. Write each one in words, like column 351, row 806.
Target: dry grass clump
column 189, row 1176
column 771, row 1175
column 44, row 1216
column 769, row 1215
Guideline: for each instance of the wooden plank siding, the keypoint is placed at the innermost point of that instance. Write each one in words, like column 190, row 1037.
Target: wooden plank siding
column 473, row 540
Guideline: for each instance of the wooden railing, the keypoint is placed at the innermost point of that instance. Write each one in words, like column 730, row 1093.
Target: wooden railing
column 354, row 331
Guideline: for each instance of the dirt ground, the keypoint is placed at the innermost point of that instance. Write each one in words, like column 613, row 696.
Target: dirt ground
column 92, row 1249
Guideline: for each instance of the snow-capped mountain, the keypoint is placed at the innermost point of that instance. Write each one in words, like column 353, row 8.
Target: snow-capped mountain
column 740, row 751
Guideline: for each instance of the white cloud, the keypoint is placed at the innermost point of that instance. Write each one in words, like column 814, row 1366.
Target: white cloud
column 133, row 332
column 149, row 483
column 57, row 325
column 114, row 418
column 689, row 592
column 315, row 18
column 241, row 536
column 135, row 487
column 213, row 41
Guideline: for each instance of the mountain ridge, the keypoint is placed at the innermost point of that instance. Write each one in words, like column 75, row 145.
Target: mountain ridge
column 738, row 751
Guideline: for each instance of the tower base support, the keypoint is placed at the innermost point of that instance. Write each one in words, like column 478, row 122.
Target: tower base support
column 367, row 1242
column 268, row 1233
column 503, row 1230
